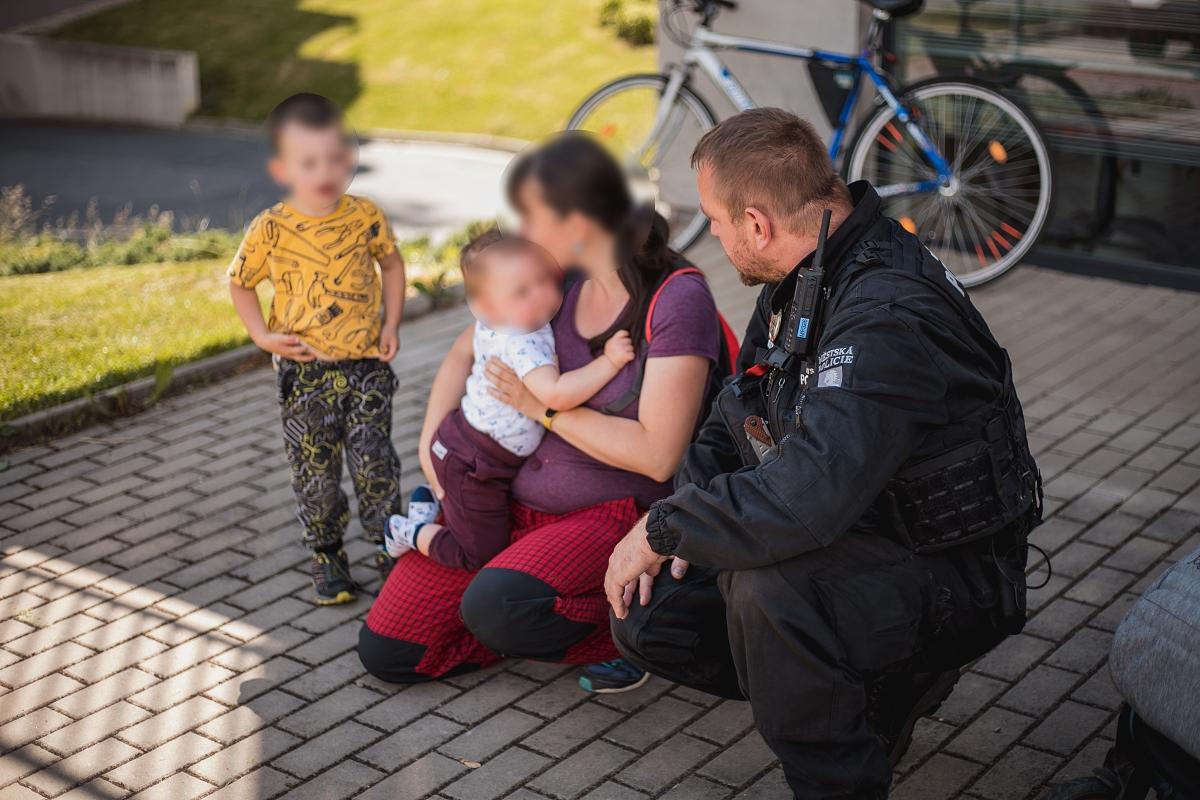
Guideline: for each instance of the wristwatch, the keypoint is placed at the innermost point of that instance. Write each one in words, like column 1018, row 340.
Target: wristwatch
column 659, row 536
column 548, row 417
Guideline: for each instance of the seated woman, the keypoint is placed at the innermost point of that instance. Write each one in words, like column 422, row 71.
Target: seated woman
column 598, row 468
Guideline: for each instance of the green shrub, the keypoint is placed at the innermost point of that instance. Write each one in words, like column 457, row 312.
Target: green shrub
column 40, row 254
column 432, row 269
column 30, row 244
column 634, row 21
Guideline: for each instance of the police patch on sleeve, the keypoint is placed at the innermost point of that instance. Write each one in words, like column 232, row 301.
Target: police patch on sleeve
column 829, row 377
column 833, row 367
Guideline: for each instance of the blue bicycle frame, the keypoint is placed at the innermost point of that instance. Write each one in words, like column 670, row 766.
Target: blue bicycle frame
column 701, row 53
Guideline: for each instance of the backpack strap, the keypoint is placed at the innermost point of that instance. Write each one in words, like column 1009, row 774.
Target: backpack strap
column 631, row 394
column 658, row 292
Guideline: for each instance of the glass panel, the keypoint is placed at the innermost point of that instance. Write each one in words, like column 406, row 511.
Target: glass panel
column 1113, row 83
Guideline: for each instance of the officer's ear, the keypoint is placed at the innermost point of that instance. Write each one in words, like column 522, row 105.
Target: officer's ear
column 759, row 226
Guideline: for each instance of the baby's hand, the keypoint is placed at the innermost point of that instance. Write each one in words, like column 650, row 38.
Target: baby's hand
column 619, row 349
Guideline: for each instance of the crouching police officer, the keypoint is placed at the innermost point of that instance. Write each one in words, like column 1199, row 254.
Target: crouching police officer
column 855, row 508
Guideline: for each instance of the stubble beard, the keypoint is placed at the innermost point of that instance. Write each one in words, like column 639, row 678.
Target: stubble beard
column 752, row 269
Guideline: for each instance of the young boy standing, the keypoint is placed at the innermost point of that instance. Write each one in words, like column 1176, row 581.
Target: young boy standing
column 330, row 346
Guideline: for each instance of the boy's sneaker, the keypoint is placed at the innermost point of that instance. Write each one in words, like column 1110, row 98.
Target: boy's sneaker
column 331, row 578
column 423, row 507
column 611, row 677
column 384, row 563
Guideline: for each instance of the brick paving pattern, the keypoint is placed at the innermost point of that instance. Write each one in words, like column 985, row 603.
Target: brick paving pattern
column 157, row 641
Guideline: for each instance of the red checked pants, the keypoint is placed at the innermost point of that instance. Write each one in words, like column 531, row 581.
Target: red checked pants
column 540, row 598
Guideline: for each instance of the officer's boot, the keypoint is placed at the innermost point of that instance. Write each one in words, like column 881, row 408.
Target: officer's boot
column 896, row 700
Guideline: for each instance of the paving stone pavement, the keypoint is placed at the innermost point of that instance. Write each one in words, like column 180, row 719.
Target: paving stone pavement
column 157, row 641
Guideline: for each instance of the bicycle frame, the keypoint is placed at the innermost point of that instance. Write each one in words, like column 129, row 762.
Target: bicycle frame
column 701, row 52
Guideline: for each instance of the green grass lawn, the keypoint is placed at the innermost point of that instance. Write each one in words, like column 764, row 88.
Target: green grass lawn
column 68, row 334
column 506, row 67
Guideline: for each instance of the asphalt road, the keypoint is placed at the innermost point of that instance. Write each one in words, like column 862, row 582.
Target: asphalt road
column 219, row 175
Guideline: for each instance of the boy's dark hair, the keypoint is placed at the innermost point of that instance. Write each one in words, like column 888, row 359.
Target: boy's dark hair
column 774, row 161
column 307, row 109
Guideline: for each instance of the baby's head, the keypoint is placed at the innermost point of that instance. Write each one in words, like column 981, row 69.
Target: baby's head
column 511, row 282
column 310, row 152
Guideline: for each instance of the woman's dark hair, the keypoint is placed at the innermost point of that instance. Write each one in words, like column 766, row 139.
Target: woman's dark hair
column 576, row 174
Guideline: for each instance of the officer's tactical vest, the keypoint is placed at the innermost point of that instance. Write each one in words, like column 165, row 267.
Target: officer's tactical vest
column 988, row 482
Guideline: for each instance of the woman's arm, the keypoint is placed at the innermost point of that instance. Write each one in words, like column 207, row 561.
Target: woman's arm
column 445, row 395
column 651, row 445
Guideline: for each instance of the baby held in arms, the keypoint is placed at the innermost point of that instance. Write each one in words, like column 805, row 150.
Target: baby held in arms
column 513, row 289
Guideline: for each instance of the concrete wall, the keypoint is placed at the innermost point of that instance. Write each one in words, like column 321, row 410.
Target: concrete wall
column 98, row 83
column 770, row 80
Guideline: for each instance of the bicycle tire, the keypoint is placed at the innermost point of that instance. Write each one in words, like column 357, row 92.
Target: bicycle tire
column 1105, row 202
column 690, row 233
column 910, row 98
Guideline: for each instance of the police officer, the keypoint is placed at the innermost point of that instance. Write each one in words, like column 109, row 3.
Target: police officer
column 850, row 526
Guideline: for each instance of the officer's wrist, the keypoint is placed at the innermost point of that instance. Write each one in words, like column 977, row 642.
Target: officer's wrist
column 661, row 538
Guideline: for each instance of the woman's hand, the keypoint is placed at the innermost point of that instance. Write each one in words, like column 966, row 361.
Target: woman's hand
column 444, row 396
column 508, row 388
column 423, row 456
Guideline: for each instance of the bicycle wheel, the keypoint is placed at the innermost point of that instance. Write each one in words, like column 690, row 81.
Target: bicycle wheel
column 622, row 115
column 983, row 219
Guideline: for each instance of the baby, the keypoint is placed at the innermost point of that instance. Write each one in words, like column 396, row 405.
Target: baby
column 513, row 291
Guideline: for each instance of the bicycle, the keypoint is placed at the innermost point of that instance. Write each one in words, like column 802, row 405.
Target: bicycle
column 955, row 161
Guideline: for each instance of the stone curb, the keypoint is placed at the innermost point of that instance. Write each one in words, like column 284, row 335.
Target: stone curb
column 136, row 396
column 125, row 399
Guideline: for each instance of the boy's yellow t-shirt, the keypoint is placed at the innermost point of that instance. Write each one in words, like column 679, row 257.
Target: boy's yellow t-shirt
column 327, row 289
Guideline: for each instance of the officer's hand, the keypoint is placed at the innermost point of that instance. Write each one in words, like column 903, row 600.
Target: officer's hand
column 632, row 564
column 645, row 582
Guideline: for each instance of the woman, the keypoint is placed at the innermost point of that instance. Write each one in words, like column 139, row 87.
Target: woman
column 598, row 468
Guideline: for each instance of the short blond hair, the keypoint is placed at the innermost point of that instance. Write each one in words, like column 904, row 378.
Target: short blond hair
column 772, row 160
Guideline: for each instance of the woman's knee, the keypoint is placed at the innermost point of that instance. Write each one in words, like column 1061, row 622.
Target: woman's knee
column 512, row 613
column 391, row 660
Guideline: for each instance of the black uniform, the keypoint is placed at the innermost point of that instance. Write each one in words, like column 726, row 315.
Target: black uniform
column 883, row 533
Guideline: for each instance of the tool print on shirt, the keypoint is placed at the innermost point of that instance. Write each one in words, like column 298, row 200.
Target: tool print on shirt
column 327, row 289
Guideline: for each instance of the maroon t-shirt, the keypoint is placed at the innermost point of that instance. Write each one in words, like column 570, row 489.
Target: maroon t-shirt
column 558, row 478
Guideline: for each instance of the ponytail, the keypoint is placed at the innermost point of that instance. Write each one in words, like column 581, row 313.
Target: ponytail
column 646, row 259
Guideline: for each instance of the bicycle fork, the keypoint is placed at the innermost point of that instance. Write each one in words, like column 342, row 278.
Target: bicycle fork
column 945, row 173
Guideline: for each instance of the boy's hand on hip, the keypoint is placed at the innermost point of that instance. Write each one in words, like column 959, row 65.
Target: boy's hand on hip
column 389, row 344
column 285, row 345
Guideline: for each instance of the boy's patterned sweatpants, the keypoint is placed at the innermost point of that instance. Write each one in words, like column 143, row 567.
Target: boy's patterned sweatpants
column 328, row 408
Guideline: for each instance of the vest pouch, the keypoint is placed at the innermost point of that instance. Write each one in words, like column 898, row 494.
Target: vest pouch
column 740, row 399
column 950, row 499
